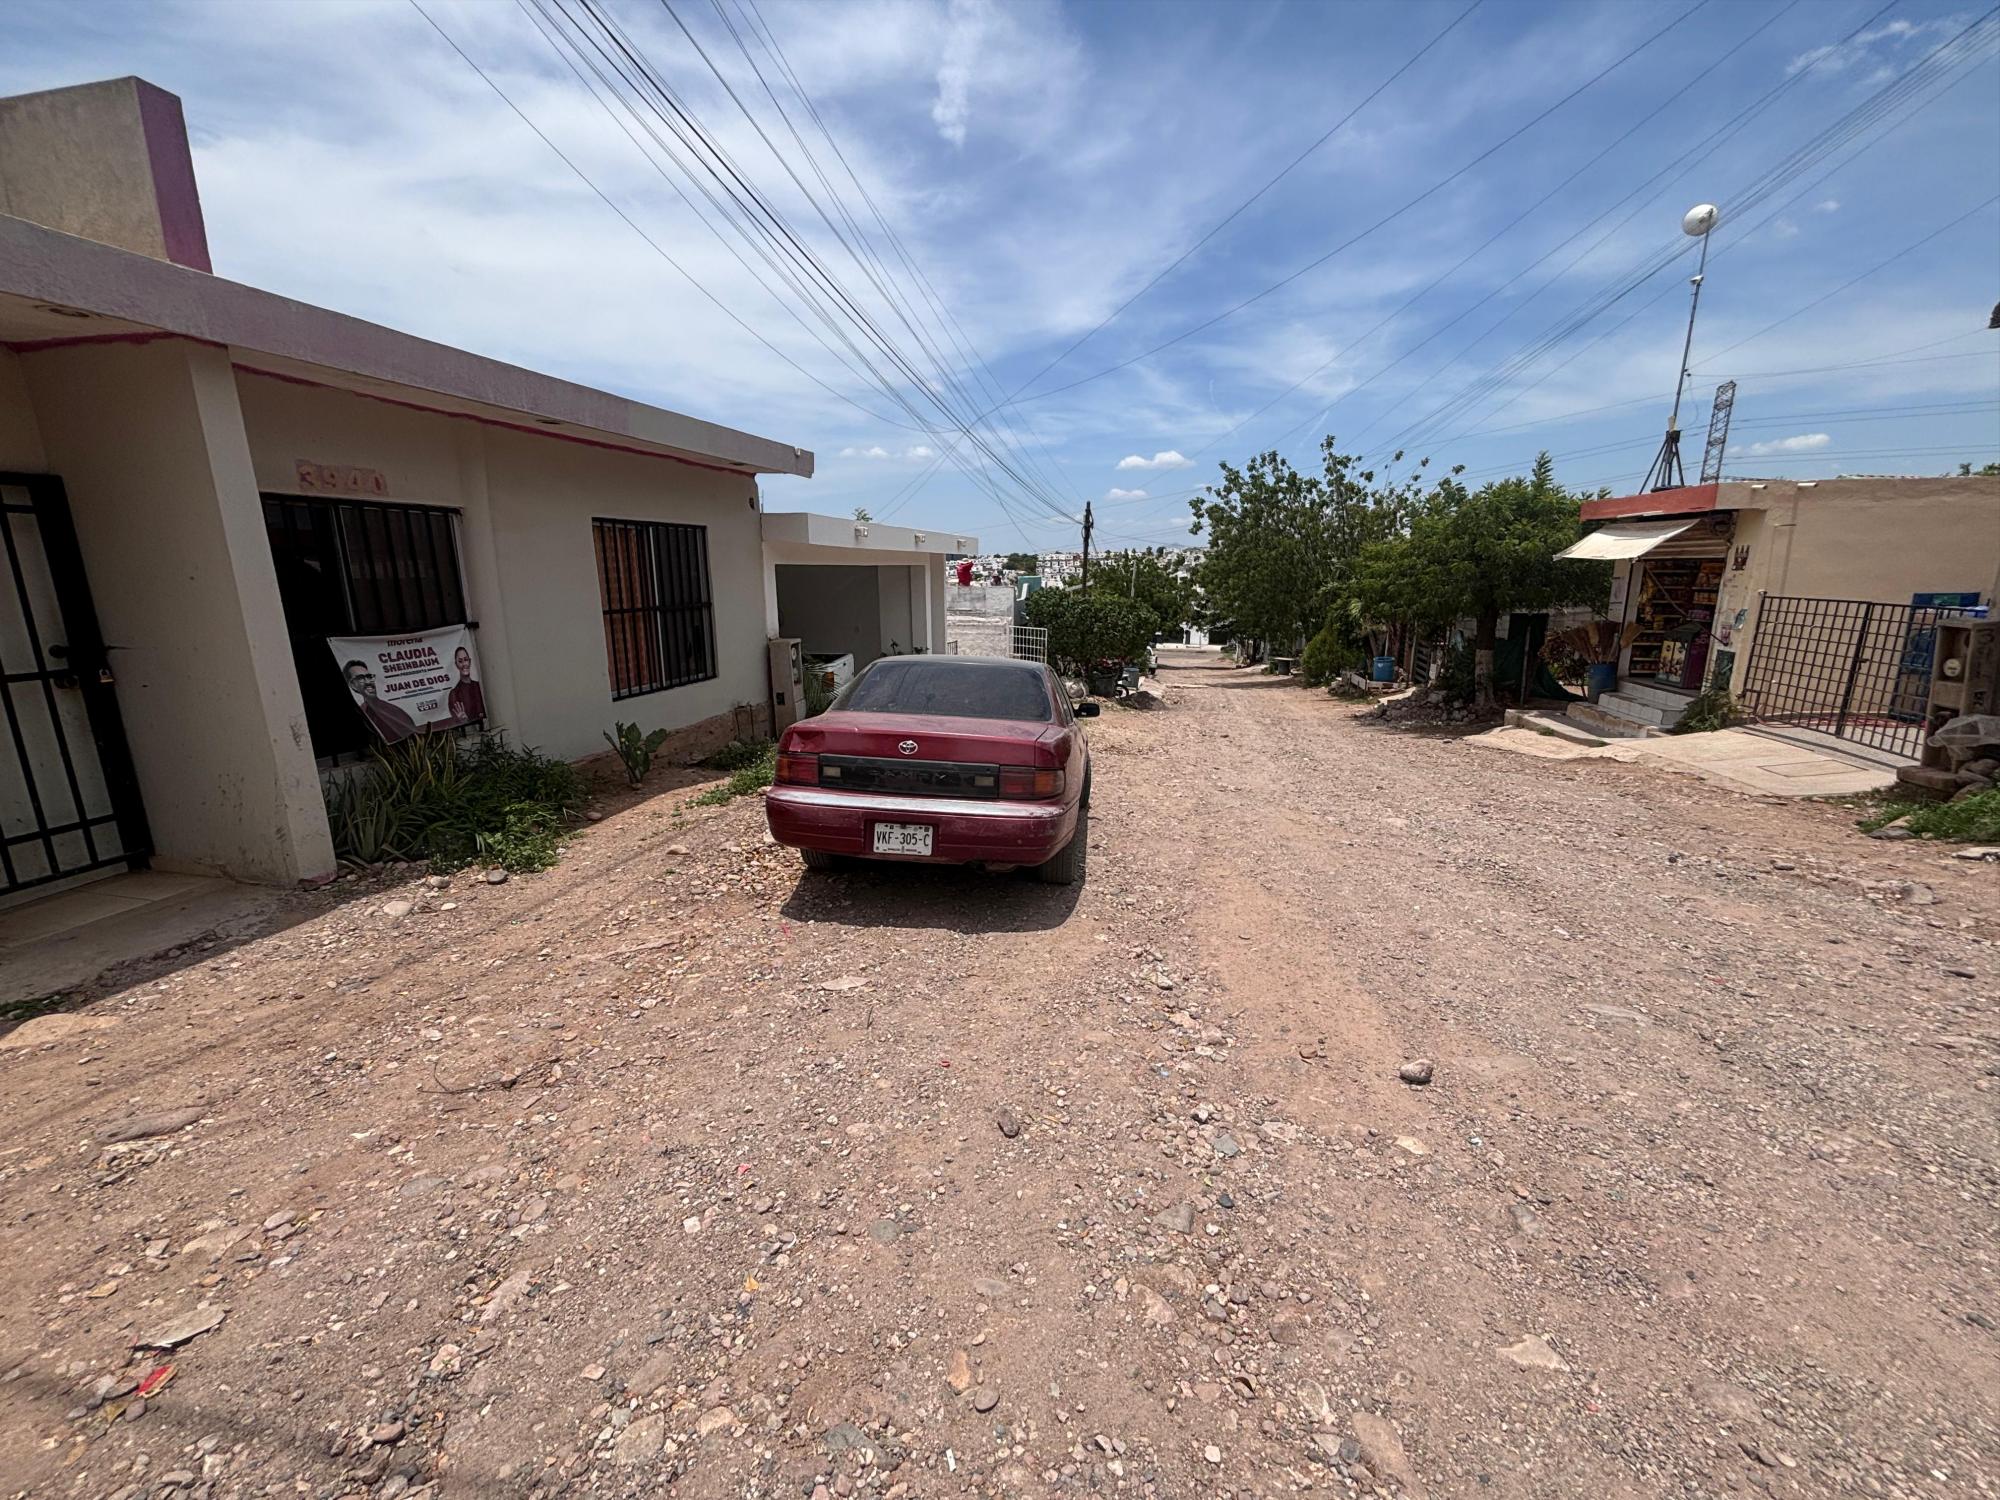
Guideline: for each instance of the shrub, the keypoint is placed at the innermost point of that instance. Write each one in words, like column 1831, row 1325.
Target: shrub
column 1089, row 628
column 1455, row 680
column 1330, row 653
column 1971, row 820
column 636, row 750
column 751, row 768
column 433, row 797
column 1711, row 709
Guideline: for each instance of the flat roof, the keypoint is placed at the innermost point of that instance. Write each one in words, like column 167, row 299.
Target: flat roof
column 807, row 529
column 59, row 289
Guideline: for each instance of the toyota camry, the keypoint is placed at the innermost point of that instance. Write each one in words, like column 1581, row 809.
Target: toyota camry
column 945, row 759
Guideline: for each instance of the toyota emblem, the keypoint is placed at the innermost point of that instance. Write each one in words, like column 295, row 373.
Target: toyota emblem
column 908, row 747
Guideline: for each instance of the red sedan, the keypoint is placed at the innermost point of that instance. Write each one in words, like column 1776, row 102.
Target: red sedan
column 941, row 759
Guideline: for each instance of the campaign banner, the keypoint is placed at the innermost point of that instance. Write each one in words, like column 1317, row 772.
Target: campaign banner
column 405, row 683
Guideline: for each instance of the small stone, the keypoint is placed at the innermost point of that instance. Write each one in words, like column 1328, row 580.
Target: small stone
column 885, row 1231
column 1532, row 1352
column 1417, row 1070
column 992, row 1289
column 985, row 1398
column 398, row 908
column 1179, row 1218
column 438, row 882
column 1895, row 830
column 279, row 1220
column 178, row 1331
column 1412, row 1145
column 1225, row 1145
column 1212, row 1454
column 496, row 877
column 958, row 1372
column 593, row 1372
column 641, row 1442
column 385, row 1433
column 1783, row 864
column 691, row 1224
column 714, row 1420
column 1008, row 1121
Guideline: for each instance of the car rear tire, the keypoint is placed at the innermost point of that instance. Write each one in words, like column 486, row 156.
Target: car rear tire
column 1065, row 866
column 819, row 859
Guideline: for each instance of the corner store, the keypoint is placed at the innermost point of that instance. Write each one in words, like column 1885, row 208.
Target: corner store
column 1694, row 566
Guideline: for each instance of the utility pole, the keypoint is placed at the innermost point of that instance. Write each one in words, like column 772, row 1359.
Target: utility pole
column 1666, row 472
column 1087, row 524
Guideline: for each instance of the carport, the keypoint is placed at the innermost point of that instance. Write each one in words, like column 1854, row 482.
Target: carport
column 845, row 587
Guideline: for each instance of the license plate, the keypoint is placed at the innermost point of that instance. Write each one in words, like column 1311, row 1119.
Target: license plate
column 902, row 838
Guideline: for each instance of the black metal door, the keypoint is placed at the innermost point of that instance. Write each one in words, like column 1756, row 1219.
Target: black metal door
column 69, row 801
column 1857, row 669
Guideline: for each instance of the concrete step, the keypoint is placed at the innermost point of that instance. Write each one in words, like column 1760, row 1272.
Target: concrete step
column 1665, row 699
column 1627, row 707
column 1547, row 723
column 1595, row 719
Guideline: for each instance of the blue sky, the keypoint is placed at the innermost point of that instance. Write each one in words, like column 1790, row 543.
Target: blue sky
column 1043, row 162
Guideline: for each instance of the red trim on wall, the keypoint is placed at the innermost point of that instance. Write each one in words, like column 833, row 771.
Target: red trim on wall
column 1676, row 502
column 466, row 416
column 150, row 336
column 178, row 200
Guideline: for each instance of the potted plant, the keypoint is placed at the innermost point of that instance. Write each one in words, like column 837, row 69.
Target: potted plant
column 1595, row 647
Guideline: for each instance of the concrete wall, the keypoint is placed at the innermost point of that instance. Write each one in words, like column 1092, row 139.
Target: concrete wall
column 1881, row 539
column 833, row 609
column 107, row 162
column 526, row 545
column 149, row 442
column 20, row 433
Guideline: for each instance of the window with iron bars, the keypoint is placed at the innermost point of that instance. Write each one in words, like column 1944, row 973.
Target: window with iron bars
column 351, row 567
column 659, row 615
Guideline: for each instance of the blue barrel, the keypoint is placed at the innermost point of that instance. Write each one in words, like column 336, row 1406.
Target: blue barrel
column 1385, row 669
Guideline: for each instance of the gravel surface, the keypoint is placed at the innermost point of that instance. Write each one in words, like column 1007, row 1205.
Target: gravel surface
column 1383, row 1116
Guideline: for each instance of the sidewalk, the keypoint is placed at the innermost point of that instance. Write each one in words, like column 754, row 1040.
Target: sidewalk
column 1744, row 760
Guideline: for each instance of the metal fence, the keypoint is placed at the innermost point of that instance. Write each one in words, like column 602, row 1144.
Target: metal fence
column 1856, row 669
column 1031, row 643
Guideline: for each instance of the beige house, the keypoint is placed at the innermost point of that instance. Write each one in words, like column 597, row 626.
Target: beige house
column 201, row 482
column 1812, row 599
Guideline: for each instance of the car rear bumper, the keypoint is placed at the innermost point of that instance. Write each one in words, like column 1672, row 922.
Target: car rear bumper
column 966, row 832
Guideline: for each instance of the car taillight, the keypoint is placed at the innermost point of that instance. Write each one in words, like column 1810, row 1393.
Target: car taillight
column 798, row 770
column 1030, row 781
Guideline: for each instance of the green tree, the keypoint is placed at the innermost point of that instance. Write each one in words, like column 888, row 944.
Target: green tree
column 1024, row 562
column 1966, row 470
column 861, row 514
column 1482, row 553
column 1283, row 546
column 1087, row 627
column 1162, row 582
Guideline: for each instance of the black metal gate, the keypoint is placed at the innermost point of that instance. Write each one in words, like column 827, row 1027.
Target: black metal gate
column 1853, row 668
column 69, row 801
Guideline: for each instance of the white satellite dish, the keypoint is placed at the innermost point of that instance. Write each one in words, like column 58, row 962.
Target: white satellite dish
column 1698, row 220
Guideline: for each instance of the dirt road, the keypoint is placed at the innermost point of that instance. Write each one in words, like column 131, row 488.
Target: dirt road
column 676, row 1171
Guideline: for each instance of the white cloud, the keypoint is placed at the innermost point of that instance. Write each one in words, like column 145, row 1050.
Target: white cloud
column 1827, row 206
column 1837, row 57
column 1118, row 494
column 1169, row 459
column 920, row 450
column 876, row 451
column 951, row 111
column 1784, row 228
column 1804, row 442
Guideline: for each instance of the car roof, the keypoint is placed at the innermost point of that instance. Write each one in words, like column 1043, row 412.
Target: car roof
column 1001, row 663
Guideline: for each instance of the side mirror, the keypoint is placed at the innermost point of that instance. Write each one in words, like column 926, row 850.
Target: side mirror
column 1087, row 710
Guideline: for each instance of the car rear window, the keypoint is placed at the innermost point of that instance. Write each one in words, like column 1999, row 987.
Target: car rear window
column 928, row 685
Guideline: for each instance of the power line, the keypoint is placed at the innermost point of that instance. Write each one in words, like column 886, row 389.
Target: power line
column 1240, row 208
column 633, row 224
column 1389, row 218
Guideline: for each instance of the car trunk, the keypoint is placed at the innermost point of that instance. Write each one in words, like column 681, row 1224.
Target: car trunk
column 919, row 754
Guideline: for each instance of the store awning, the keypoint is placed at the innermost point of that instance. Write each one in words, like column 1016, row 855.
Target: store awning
column 1625, row 539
